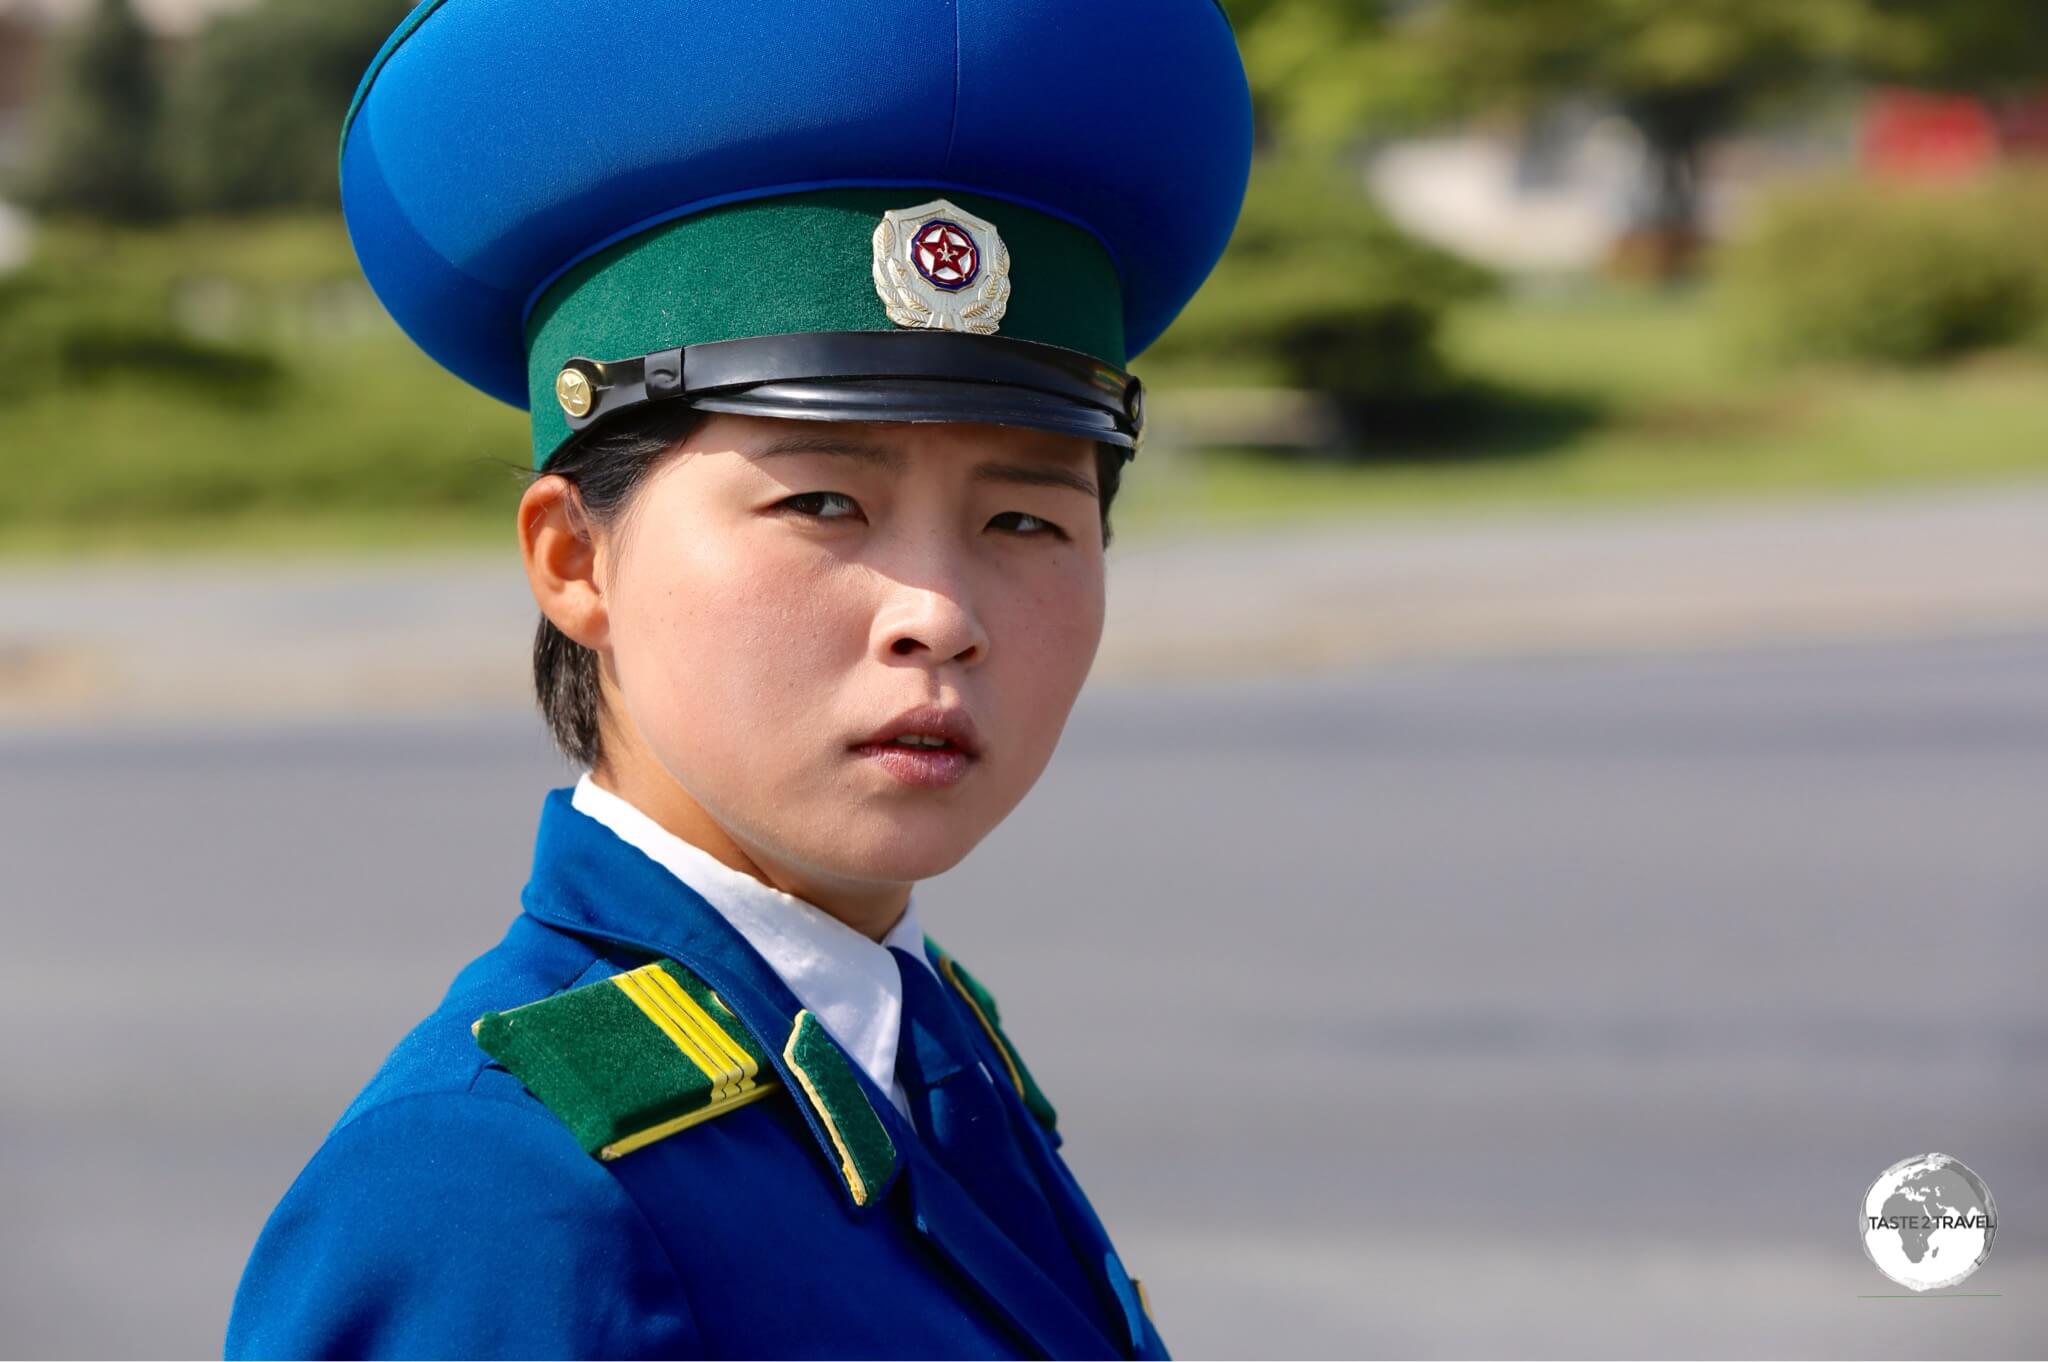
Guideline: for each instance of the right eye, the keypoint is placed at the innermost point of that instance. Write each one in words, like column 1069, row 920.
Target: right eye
column 816, row 505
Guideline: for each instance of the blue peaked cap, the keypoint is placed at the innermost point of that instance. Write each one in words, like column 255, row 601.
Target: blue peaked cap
column 497, row 147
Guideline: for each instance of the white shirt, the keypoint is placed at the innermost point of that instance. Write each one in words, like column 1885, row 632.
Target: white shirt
column 848, row 981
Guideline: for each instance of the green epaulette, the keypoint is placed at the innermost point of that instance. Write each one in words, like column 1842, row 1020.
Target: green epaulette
column 631, row 1059
column 628, row 1060
column 983, row 1005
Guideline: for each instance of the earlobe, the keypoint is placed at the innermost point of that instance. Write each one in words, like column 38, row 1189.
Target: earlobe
column 560, row 554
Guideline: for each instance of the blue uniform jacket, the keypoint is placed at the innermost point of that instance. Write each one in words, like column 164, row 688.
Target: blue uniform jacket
column 450, row 1214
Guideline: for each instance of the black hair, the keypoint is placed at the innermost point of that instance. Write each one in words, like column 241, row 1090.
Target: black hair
column 605, row 466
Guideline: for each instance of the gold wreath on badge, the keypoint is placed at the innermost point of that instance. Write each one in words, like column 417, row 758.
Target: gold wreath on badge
column 938, row 267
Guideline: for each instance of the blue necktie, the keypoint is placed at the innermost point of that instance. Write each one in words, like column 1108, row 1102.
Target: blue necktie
column 963, row 1118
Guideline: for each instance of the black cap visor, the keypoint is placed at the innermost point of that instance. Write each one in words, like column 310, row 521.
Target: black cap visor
column 923, row 399
column 919, row 376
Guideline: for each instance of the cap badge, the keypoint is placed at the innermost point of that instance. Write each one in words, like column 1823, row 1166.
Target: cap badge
column 940, row 268
column 572, row 390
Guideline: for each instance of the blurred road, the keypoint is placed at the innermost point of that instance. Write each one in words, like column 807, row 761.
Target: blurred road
column 1541, row 1006
column 426, row 635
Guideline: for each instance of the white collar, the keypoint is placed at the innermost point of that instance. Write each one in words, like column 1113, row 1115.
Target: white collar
column 849, row 981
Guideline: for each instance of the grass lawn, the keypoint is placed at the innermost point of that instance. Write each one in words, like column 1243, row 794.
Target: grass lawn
column 1631, row 398
column 312, row 425
column 369, row 445
column 233, row 386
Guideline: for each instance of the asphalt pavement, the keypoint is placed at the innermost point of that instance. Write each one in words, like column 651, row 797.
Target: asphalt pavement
column 1534, row 1005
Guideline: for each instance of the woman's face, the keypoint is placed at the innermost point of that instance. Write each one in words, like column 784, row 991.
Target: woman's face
column 780, row 591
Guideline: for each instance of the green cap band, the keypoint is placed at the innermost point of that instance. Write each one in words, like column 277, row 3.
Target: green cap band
column 795, row 264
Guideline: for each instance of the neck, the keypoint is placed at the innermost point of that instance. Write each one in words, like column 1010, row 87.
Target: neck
column 870, row 909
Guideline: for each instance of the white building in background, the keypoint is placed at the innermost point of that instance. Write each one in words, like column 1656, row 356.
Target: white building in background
column 1554, row 195
column 1527, row 202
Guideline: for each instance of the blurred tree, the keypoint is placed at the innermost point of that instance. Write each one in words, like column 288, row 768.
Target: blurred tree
column 1994, row 49
column 1681, row 74
column 1323, row 73
column 256, row 111
column 96, row 153
column 1321, row 292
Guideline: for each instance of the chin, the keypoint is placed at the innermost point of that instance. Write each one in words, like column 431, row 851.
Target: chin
column 902, row 849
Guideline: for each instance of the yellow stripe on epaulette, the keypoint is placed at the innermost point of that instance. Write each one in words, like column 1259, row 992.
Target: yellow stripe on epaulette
column 643, row 1138
column 694, row 1031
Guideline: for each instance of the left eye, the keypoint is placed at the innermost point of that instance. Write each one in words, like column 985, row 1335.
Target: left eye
column 818, row 505
column 1030, row 525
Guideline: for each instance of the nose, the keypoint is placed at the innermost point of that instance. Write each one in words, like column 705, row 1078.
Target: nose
column 935, row 623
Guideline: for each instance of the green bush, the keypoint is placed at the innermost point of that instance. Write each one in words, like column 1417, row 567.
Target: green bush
column 1320, row 291
column 1894, row 274
column 192, row 375
column 96, row 305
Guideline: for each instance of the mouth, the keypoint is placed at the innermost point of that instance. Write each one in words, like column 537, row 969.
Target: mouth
column 928, row 747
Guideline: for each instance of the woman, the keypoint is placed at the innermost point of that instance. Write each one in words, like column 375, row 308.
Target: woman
column 821, row 312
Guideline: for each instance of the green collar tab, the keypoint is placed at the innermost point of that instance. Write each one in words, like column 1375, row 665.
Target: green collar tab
column 867, row 1156
column 983, row 1004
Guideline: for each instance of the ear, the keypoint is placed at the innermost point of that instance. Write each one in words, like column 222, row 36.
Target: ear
column 561, row 561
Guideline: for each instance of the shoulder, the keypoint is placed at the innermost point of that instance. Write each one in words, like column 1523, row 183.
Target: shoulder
column 456, row 1224
column 440, row 1054
column 448, row 1213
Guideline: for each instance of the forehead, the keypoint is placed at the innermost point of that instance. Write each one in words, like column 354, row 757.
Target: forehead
column 903, row 449
column 889, row 442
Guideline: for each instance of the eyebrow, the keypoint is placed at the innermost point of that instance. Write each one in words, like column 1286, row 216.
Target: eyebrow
column 1025, row 474
column 1035, row 475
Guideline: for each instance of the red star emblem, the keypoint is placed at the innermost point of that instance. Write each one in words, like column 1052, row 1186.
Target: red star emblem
column 945, row 255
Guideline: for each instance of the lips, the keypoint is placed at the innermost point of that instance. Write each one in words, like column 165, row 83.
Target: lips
column 931, row 721
column 943, row 749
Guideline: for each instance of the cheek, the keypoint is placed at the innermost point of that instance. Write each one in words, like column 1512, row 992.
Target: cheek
column 1048, row 631
column 725, row 638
